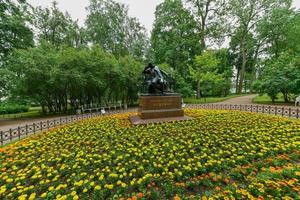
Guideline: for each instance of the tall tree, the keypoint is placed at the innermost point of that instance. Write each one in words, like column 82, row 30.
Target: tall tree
column 245, row 15
column 280, row 29
column 205, row 70
column 174, row 35
column 110, row 26
column 14, row 34
column 58, row 28
column 281, row 75
column 14, row 31
column 210, row 17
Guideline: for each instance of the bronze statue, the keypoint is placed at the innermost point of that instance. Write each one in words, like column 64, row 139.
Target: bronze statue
column 156, row 80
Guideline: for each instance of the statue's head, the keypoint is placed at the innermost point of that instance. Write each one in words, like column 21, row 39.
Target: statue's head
column 150, row 65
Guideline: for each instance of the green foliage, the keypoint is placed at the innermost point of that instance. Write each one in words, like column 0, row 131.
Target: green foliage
column 13, row 108
column 245, row 41
column 174, row 38
column 280, row 72
column 101, row 61
column 266, row 99
column 14, row 32
column 74, row 76
column 211, row 20
column 280, row 75
column 183, row 87
column 109, row 25
column 6, row 82
column 210, row 77
column 57, row 28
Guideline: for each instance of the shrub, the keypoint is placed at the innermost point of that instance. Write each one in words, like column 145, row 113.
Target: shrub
column 13, row 108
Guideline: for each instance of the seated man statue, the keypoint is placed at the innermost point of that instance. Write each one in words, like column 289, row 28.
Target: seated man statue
column 156, row 81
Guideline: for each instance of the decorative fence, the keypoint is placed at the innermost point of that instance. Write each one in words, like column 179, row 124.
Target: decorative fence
column 291, row 112
column 29, row 129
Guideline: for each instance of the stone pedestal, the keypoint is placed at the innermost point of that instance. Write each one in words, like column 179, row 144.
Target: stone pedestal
column 152, row 107
column 163, row 108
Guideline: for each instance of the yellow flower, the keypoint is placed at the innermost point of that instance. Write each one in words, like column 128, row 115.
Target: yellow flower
column 101, row 178
column 51, row 188
column 2, row 190
column 109, row 186
column 73, row 193
column 9, row 180
column 123, row 185
column 79, row 183
column 44, row 195
column 22, row 197
column 32, row 196
column 76, row 197
column 92, row 183
column 98, row 187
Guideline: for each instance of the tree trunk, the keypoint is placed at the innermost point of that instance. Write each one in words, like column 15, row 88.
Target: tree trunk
column 245, row 86
column 44, row 108
column 286, row 97
column 237, row 81
column 253, row 77
column 242, row 72
column 273, row 99
column 198, row 89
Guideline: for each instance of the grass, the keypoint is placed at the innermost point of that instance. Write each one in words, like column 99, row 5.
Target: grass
column 265, row 99
column 210, row 99
column 33, row 112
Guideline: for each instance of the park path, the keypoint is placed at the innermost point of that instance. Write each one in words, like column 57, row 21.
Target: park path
column 239, row 100
column 247, row 100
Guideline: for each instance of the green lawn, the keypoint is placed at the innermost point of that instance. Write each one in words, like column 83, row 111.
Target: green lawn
column 210, row 99
column 33, row 112
column 265, row 99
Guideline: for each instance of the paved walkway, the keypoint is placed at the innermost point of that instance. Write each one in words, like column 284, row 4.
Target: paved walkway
column 239, row 100
column 247, row 100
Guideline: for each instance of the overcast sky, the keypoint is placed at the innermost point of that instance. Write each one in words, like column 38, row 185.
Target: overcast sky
column 142, row 9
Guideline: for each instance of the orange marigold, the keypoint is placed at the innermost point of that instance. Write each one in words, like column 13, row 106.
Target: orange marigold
column 176, row 198
column 140, row 195
column 134, row 198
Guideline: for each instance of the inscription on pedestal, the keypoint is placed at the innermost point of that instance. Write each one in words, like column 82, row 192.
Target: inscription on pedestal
column 156, row 109
column 152, row 107
column 159, row 102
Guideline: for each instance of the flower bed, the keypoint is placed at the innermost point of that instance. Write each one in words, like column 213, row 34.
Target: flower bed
column 218, row 154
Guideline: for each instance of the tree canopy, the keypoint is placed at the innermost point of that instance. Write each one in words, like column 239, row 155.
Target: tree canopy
column 209, row 46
